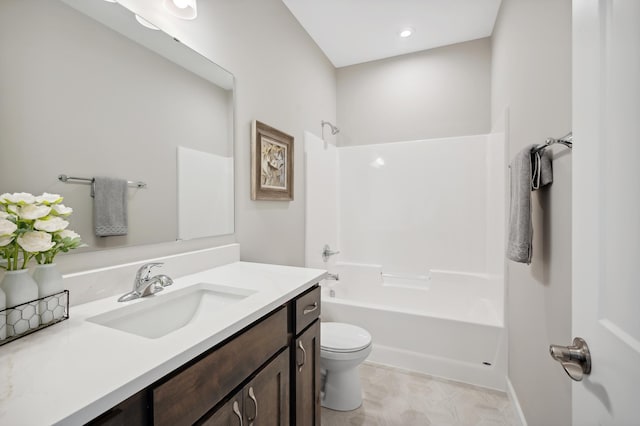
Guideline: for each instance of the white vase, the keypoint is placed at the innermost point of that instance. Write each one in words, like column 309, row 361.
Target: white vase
column 50, row 282
column 20, row 288
column 3, row 318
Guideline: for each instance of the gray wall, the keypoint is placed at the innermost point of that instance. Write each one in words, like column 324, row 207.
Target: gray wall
column 531, row 77
column 283, row 79
column 431, row 94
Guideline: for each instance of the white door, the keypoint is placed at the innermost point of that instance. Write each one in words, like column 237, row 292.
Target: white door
column 606, row 208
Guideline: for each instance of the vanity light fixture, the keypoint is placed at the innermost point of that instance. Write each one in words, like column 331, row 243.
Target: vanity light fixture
column 146, row 23
column 184, row 9
column 406, row 32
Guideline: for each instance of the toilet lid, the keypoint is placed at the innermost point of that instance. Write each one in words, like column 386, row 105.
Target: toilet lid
column 340, row 337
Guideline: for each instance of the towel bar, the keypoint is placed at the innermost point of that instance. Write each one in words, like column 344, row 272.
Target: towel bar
column 74, row 179
column 566, row 140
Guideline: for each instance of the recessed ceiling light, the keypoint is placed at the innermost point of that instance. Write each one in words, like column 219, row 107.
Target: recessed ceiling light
column 406, row 32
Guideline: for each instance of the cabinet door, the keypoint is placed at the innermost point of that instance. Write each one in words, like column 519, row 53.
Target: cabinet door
column 230, row 414
column 266, row 397
column 307, row 371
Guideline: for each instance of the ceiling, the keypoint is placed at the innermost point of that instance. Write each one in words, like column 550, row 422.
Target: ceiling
column 355, row 31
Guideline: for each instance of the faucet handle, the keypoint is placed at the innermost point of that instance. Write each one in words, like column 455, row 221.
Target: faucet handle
column 145, row 270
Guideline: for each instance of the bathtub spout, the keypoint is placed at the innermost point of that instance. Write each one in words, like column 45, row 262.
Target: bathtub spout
column 334, row 277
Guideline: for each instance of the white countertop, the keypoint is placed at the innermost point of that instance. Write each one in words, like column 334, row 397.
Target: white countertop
column 73, row 371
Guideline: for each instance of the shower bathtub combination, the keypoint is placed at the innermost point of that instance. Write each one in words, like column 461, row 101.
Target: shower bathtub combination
column 446, row 324
column 419, row 226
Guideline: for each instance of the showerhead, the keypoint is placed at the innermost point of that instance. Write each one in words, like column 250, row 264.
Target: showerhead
column 334, row 129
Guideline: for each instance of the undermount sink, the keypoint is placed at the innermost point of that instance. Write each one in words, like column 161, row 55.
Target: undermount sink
column 158, row 315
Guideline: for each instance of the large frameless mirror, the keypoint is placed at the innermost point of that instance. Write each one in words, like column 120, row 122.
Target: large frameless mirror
column 86, row 91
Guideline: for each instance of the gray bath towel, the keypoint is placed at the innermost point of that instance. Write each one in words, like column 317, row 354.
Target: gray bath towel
column 528, row 172
column 110, row 206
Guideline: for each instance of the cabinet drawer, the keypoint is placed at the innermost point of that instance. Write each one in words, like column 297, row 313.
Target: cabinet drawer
column 187, row 396
column 307, row 309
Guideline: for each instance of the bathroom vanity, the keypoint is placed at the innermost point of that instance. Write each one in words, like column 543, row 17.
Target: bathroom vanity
column 267, row 373
column 252, row 361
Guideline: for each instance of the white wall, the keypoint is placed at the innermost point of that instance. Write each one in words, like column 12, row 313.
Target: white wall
column 531, row 77
column 435, row 93
column 283, row 79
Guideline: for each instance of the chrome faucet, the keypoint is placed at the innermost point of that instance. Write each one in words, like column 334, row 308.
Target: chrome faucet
column 331, row 276
column 144, row 284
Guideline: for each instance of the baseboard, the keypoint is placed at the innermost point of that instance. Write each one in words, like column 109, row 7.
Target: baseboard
column 511, row 392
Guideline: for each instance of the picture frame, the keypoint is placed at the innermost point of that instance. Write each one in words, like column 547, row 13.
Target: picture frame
column 271, row 163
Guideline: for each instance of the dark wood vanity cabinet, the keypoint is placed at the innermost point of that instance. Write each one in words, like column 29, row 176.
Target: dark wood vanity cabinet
column 264, row 401
column 306, row 368
column 307, row 374
column 266, row 375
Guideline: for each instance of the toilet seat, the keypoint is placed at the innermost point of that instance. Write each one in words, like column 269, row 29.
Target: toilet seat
column 338, row 337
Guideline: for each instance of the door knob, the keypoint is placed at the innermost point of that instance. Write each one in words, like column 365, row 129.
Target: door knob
column 576, row 359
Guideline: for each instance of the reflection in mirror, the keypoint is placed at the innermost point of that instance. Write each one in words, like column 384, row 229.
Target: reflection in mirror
column 82, row 98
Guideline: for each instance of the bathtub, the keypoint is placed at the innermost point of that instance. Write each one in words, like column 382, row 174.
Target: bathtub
column 445, row 324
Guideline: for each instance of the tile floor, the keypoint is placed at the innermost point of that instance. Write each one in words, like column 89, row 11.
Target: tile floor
column 397, row 397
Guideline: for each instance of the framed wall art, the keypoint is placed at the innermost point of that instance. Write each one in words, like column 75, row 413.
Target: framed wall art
column 271, row 163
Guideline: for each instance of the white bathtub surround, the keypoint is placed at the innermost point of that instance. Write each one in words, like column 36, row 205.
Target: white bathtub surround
column 321, row 163
column 450, row 326
column 421, row 233
column 93, row 364
column 418, row 205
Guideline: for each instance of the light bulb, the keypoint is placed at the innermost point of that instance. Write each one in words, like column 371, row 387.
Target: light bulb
column 181, row 3
column 184, row 9
column 406, row 32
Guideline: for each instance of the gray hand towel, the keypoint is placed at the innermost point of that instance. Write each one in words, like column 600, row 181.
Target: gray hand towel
column 528, row 172
column 542, row 173
column 110, row 206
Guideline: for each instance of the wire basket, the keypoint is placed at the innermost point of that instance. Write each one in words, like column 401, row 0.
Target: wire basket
column 21, row 320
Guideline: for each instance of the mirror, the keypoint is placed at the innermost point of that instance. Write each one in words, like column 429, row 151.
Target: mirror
column 87, row 91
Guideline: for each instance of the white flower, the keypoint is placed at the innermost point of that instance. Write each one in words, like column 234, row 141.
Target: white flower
column 35, row 241
column 53, row 224
column 47, row 198
column 62, row 210
column 5, row 239
column 18, row 198
column 68, row 233
column 5, row 215
column 32, row 211
column 7, row 227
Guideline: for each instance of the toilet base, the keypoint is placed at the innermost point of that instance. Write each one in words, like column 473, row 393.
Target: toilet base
column 342, row 390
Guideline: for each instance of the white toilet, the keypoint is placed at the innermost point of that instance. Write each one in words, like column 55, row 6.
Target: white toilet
column 343, row 347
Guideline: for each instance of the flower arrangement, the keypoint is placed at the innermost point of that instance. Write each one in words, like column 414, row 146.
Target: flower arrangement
column 34, row 227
